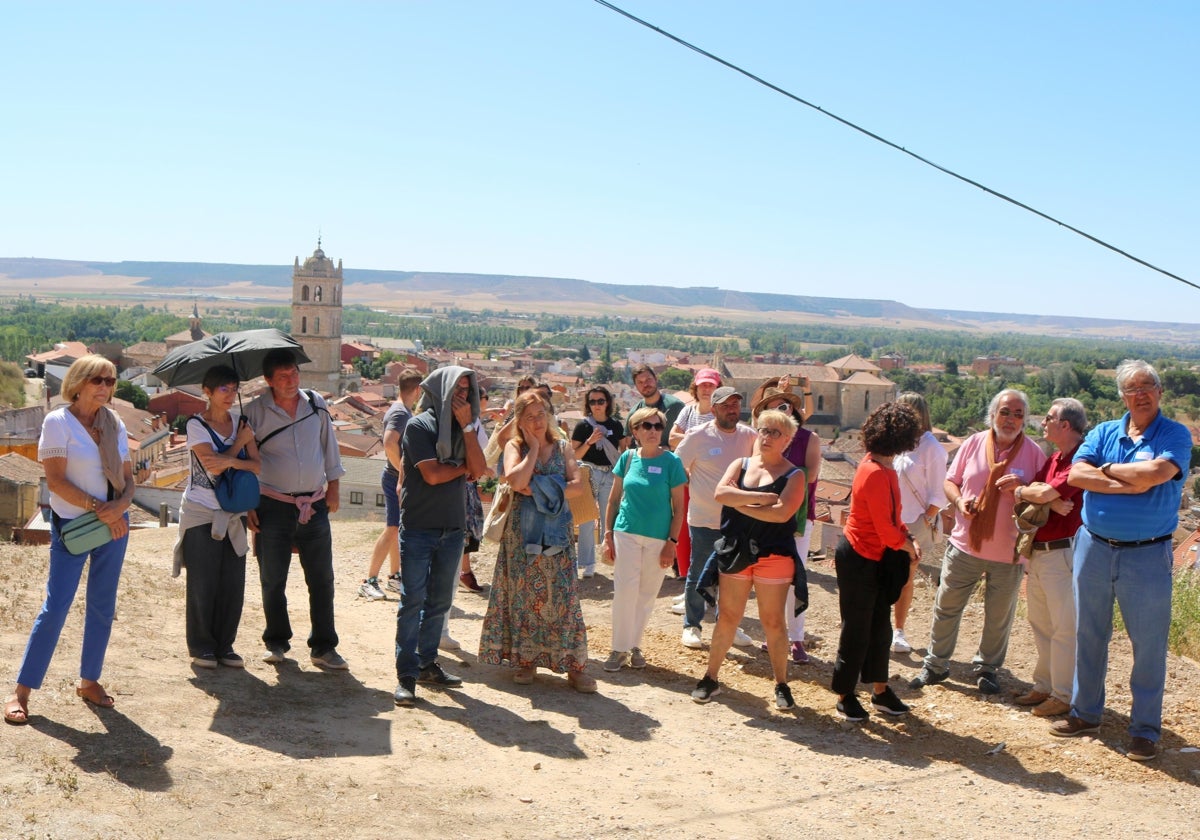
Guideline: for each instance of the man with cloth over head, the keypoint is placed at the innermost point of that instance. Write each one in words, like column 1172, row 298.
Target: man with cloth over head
column 440, row 452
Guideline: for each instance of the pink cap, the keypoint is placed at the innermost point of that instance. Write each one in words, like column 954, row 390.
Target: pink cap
column 707, row 375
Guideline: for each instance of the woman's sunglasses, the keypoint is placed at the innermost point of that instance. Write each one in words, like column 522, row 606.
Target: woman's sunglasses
column 601, row 401
column 652, row 427
column 104, row 380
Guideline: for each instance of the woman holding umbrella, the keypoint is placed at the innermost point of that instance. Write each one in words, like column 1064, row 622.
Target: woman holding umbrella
column 212, row 543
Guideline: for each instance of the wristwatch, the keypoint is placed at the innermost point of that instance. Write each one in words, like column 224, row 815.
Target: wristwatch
column 1105, row 467
column 472, row 426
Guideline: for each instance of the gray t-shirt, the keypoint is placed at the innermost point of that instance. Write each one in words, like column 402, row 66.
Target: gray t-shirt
column 395, row 420
column 424, row 505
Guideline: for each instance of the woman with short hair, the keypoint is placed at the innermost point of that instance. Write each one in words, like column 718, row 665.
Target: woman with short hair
column 866, row 589
column 84, row 450
column 642, row 525
column 212, row 543
column 760, row 496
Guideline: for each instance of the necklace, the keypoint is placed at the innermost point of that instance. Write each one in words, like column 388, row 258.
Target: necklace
column 90, row 428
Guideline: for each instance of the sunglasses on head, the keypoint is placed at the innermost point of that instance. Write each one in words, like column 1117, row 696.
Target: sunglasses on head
column 652, row 427
column 103, row 380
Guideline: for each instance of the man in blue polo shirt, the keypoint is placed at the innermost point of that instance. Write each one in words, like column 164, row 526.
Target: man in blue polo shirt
column 1131, row 471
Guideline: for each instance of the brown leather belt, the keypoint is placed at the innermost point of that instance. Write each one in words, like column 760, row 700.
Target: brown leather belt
column 1053, row 545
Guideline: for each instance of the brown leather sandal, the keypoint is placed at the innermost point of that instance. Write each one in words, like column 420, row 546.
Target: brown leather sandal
column 16, row 712
column 96, row 695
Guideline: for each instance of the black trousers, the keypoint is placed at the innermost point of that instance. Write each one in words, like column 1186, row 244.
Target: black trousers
column 866, row 621
column 216, row 587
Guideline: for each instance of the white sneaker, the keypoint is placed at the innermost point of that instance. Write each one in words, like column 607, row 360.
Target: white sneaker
column 741, row 639
column 679, row 608
column 691, row 638
column 371, row 591
column 680, row 598
column 448, row 643
column 899, row 643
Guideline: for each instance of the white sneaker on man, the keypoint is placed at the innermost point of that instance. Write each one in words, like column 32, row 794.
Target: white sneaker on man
column 691, row 638
column 899, row 643
column 680, row 598
column 741, row 639
column 679, row 608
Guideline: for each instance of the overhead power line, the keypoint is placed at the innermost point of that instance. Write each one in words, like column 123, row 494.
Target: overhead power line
column 887, row 142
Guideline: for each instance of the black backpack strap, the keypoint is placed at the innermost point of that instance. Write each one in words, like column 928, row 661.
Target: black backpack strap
column 316, row 410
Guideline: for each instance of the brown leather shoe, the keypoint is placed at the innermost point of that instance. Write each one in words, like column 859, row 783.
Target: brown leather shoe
column 1031, row 698
column 1051, row 707
column 1142, row 749
column 1073, row 727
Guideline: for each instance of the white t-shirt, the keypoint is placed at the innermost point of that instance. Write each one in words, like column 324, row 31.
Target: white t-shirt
column 63, row 436
column 199, row 490
column 706, row 452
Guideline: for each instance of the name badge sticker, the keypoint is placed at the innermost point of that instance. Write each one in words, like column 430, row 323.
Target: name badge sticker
column 714, row 452
column 1143, row 455
column 654, row 470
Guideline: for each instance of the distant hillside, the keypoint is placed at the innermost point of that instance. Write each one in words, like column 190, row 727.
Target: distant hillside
column 553, row 293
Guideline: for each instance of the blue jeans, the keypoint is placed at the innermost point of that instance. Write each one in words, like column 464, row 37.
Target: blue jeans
column 428, row 574
column 1139, row 579
column 703, row 540
column 66, row 569
column 603, row 482
column 279, row 529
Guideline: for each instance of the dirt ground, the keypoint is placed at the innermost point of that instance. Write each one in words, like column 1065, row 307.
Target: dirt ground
column 290, row 751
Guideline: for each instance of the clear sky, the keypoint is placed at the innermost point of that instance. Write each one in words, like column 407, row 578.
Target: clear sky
column 556, row 138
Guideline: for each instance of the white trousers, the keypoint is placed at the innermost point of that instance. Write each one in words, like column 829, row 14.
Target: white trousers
column 637, row 577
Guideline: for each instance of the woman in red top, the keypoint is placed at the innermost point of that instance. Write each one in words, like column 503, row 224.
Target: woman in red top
column 864, row 594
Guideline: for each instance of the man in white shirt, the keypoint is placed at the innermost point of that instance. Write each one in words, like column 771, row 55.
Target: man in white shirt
column 707, row 451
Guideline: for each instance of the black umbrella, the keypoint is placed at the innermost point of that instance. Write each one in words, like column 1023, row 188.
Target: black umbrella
column 243, row 351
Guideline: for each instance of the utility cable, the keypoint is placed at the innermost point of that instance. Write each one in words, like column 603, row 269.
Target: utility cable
column 887, row 142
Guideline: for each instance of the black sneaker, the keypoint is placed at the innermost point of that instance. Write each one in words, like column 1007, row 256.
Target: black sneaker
column 432, row 674
column 888, row 703
column 783, row 697
column 851, row 709
column 706, row 689
column 928, row 676
column 406, row 692
column 988, row 683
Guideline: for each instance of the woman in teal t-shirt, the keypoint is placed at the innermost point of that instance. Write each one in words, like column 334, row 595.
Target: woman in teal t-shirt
column 644, row 516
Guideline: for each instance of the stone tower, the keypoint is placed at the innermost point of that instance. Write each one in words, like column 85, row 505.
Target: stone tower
column 194, row 324
column 317, row 320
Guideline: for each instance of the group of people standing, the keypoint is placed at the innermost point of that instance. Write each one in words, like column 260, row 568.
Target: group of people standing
column 1090, row 525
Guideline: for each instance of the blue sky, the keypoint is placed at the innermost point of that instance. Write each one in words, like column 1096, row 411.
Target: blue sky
column 556, row 138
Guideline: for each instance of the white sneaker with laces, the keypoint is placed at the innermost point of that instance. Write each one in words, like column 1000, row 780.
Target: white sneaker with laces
column 741, row 639
column 691, row 638
column 899, row 643
column 679, row 608
column 448, row 643
column 680, row 598
column 371, row 591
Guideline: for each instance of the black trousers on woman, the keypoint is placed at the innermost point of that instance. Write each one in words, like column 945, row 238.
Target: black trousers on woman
column 216, row 586
column 866, row 621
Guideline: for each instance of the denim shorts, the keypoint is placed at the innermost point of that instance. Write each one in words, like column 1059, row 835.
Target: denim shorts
column 391, row 499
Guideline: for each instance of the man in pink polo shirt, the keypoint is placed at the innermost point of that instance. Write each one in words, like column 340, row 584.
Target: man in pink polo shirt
column 989, row 466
